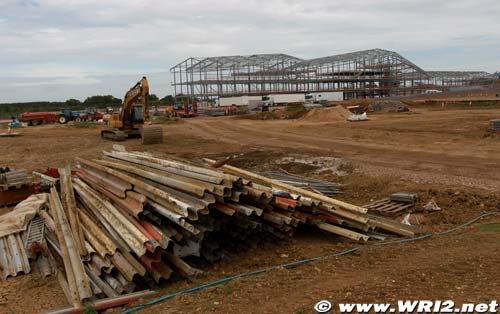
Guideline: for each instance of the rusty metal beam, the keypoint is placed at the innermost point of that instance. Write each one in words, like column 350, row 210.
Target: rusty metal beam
column 69, row 204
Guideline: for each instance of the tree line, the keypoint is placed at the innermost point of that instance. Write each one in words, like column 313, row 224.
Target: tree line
column 8, row 110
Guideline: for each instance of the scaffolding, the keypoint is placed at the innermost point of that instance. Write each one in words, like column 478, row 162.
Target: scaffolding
column 363, row 74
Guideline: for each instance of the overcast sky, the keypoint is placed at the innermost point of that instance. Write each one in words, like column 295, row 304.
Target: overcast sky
column 60, row 49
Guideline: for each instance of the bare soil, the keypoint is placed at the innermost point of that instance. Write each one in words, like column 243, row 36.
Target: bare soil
column 448, row 155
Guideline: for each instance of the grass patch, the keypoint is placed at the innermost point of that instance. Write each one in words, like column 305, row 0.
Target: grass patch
column 227, row 288
column 294, row 111
column 89, row 309
column 489, row 227
column 85, row 125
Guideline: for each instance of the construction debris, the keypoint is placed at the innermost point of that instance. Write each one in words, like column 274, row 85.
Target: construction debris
column 129, row 220
column 358, row 117
column 321, row 187
column 395, row 205
column 9, row 134
column 404, row 197
column 388, row 106
column 13, row 177
column 13, row 256
column 15, row 186
column 432, row 206
column 106, row 303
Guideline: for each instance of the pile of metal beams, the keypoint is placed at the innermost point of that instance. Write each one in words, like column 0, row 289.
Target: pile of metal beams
column 15, row 186
column 13, row 258
column 321, row 187
column 129, row 220
column 12, row 177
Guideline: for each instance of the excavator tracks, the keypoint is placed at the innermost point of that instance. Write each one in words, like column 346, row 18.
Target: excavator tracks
column 151, row 134
column 114, row 135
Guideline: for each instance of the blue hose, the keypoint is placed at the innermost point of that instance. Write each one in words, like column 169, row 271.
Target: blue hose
column 305, row 261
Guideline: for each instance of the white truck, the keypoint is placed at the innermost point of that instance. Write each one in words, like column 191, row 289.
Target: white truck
column 318, row 97
column 238, row 101
column 432, row 91
column 282, row 99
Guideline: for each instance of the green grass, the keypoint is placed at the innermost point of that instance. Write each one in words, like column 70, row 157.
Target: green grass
column 294, row 111
column 227, row 288
column 489, row 227
column 89, row 309
column 85, row 125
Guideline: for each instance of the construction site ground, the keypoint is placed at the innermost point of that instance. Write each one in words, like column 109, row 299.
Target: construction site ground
column 441, row 153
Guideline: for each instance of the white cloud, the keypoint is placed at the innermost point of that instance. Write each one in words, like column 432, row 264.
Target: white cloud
column 80, row 40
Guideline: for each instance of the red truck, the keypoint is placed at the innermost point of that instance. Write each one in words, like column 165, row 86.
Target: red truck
column 37, row 118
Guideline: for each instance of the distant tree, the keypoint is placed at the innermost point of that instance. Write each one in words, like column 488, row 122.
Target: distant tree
column 8, row 110
column 102, row 101
column 153, row 98
column 168, row 100
column 73, row 103
column 497, row 74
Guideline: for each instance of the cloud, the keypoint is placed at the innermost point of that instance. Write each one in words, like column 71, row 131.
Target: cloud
column 61, row 43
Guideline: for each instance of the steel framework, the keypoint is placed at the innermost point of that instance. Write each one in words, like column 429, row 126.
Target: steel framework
column 362, row 74
column 457, row 78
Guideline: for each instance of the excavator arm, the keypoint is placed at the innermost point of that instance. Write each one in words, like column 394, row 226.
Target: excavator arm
column 140, row 89
column 126, row 126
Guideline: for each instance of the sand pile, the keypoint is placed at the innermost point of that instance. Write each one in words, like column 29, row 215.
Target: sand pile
column 331, row 114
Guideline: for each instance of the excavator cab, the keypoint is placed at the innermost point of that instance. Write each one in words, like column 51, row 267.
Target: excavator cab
column 133, row 119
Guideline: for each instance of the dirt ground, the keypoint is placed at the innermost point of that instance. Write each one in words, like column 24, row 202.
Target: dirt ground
column 443, row 154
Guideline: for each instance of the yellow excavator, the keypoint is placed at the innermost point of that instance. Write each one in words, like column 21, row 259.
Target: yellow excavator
column 133, row 119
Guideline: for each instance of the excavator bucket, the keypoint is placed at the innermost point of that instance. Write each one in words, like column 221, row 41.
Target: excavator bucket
column 151, row 134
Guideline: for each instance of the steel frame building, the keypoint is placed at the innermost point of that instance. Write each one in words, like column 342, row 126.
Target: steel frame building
column 362, row 74
column 457, row 78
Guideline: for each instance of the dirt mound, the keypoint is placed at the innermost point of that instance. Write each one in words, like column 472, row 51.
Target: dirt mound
column 389, row 106
column 332, row 114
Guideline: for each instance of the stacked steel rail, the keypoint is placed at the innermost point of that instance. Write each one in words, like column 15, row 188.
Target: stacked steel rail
column 129, row 220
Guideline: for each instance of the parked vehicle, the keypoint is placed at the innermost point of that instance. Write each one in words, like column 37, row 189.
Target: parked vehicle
column 432, row 91
column 239, row 101
column 319, row 97
column 67, row 115
column 185, row 109
column 91, row 114
column 37, row 118
column 282, row 99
